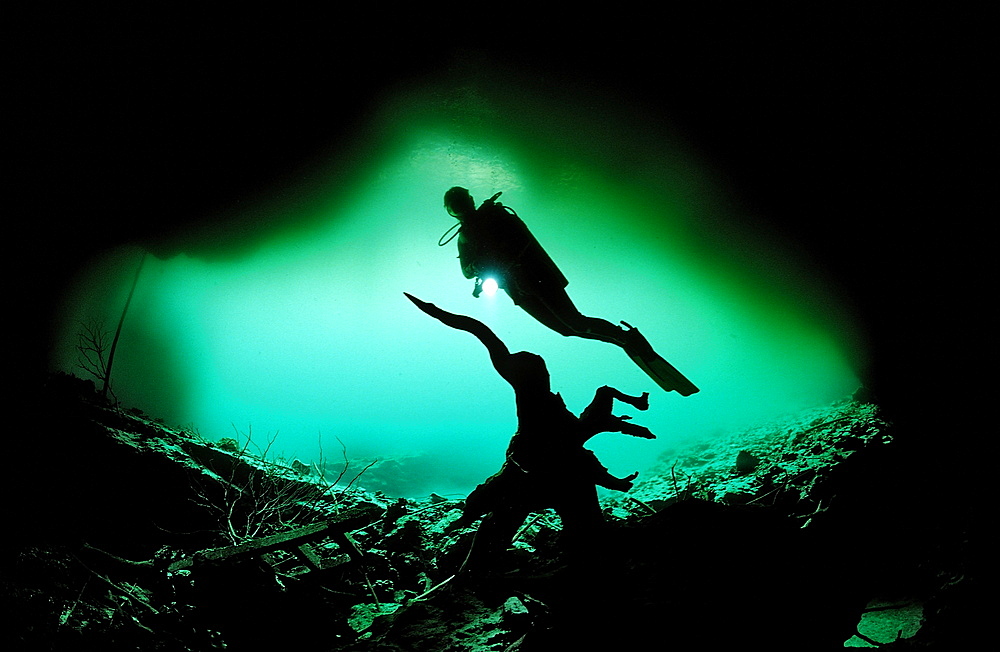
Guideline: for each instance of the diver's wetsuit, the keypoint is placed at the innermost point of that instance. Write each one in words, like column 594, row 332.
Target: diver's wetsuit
column 493, row 242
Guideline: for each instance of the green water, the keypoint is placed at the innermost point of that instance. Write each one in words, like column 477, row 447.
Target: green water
column 307, row 333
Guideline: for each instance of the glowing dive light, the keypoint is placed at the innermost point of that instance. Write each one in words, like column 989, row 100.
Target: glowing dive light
column 490, row 287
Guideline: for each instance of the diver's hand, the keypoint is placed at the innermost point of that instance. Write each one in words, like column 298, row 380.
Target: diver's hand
column 476, row 291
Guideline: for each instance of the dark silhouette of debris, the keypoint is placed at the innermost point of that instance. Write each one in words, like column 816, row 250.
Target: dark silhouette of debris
column 546, row 464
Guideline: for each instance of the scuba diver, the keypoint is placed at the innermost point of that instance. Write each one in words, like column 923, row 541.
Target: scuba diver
column 494, row 243
column 546, row 464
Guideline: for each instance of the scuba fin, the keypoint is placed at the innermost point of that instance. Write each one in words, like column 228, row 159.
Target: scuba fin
column 662, row 372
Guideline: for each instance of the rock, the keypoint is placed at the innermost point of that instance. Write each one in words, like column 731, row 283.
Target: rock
column 514, row 609
column 746, row 462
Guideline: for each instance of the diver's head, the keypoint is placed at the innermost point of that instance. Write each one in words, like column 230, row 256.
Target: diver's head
column 530, row 369
column 459, row 203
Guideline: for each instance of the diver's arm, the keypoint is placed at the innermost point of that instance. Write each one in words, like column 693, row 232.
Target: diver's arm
column 466, row 258
column 499, row 353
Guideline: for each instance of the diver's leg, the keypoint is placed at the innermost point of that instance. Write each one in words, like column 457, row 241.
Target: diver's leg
column 537, row 309
column 665, row 374
column 554, row 309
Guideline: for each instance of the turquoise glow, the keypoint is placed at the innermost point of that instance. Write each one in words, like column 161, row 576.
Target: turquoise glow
column 309, row 334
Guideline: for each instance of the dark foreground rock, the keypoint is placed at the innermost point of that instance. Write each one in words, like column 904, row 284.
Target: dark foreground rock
column 131, row 535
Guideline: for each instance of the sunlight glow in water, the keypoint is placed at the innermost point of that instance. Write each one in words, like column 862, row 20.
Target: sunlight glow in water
column 311, row 336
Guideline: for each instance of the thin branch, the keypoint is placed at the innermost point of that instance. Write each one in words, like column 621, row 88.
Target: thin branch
column 92, row 343
column 258, row 496
column 68, row 612
column 118, row 331
column 372, row 589
column 647, row 507
column 434, row 588
column 525, row 527
column 360, row 473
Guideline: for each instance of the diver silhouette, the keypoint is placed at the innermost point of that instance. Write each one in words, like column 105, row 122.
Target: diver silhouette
column 493, row 242
column 546, row 465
